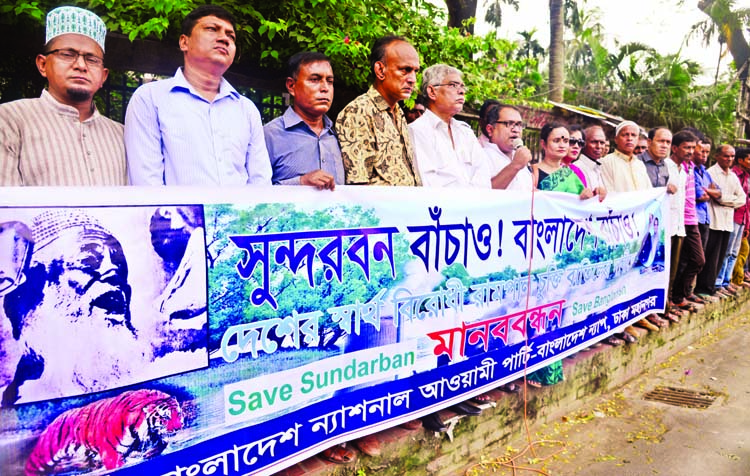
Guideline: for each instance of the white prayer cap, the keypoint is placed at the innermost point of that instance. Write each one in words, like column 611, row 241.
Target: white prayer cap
column 63, row 20
column 624, row 124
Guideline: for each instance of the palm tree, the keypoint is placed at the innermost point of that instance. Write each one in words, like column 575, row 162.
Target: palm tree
column 494, row 13
column 726, row 23
column 530, row 48
column 556, row 50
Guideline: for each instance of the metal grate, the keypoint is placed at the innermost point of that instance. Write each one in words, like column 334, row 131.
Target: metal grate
column 681, row 397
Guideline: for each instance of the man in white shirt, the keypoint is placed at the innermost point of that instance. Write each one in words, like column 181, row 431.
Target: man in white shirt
column 589, row 162
column 659, row 139
column 501, row 127
column 622, row 171
column 721, row 213
column 447, row 152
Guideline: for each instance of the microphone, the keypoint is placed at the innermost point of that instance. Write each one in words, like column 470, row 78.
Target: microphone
column 517, row 143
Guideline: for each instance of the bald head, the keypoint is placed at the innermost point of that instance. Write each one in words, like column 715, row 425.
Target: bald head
column 595, row 146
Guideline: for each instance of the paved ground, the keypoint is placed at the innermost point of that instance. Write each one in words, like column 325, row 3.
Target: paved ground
column 621, row 434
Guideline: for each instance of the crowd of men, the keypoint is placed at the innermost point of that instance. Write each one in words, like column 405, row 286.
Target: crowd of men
column 196, row 129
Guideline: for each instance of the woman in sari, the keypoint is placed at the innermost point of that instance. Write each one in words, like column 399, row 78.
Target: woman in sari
column 553, row 175
column 577, row 141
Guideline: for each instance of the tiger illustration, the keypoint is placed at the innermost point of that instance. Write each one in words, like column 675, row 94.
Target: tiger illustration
column 106, row 433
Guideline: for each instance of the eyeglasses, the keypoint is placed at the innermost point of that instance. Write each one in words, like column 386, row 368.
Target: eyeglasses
column 512, row 124
column 578, row 142
column 68, row 55
column 454, row 85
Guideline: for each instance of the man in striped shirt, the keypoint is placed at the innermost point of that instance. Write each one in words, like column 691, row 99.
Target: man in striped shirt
column 60, row 138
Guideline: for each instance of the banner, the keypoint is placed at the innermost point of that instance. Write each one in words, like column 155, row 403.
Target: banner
column 182, row 331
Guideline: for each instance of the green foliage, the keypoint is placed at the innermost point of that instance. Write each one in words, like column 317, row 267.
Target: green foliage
column 634, row 81
column 229, row 299
column 270, row 32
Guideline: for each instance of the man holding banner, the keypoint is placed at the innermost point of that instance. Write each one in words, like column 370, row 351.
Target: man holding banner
column 302, row 144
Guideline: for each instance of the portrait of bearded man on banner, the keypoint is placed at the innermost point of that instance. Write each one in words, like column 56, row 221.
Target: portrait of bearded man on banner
column 71, row 316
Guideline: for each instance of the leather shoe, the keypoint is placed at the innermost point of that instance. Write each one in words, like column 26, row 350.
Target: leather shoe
column 464, row 408
column 339, row 454
column 434, row 423
column 368, row 445
column 644, row 323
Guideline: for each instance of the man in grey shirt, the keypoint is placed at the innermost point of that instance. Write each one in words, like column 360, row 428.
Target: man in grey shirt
column 302, row 144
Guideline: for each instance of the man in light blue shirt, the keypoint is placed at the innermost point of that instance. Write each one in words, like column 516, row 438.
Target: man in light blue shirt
column 195, row 128
column 302, row 144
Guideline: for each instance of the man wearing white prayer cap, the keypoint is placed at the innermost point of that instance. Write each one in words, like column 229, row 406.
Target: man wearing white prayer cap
column 60, row 138
column 621, row 170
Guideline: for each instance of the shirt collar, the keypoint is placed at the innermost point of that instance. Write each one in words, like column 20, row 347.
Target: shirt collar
column 584, row 156
column 291, row 119
column 380, row 103
column 64, row 109
column 434, row 120
column 646, row 158
column 225, row 89
column 626, row 158
column 487, row 144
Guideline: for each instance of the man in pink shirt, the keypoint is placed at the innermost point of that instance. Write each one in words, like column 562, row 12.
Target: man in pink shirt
column 692, row 258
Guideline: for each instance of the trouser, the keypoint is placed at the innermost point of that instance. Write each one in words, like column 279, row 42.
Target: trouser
column 715, row 252
column 674, row 262
column 704, row 229
column 738, row 275
column 692, row 260
column 733, row 248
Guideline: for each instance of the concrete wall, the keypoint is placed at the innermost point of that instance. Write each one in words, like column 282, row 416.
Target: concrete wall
column 588, row 374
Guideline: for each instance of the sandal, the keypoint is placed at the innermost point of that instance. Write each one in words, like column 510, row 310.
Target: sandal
column 339, row 454
column 483, row 399
column 510, row 388
column 696, row 299
column 614, row 341
column 686, row 306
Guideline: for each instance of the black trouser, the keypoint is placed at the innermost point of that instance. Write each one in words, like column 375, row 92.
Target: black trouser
column 691, row 263
column 715, row 252
column 704, row 229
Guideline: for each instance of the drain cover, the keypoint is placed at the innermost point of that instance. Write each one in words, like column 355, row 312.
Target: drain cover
column 681, row 397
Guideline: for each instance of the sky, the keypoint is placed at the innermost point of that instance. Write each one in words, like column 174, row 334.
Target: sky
column 661, row 24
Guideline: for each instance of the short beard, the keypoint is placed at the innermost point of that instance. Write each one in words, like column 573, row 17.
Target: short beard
column 79, row 95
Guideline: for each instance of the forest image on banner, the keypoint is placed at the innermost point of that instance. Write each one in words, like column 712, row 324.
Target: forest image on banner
column 237, row 335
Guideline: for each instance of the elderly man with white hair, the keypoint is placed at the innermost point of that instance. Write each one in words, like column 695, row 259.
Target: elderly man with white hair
column 447, row 151
column 621, row 170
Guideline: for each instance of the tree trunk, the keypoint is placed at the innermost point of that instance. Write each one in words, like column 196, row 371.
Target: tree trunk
column 556, row 51
column 460, row 10
column 736, row 42
column 740, row 50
